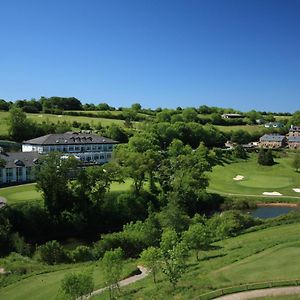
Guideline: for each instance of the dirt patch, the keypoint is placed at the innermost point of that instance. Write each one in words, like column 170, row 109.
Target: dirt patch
column 272, row 194
column 238, row 177
column 2, row 271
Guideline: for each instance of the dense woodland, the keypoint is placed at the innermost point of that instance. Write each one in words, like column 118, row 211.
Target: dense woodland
column 166, row 162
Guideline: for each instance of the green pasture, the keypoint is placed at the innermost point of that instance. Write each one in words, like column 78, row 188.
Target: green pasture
column 249, row 128
column 59, row 118
column 280, row 177
column 39, row 118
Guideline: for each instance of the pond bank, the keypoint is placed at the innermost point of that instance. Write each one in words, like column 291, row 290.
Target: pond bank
column 277, row 204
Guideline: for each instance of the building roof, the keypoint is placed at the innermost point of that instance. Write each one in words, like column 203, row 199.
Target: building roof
column 294, row 139
column 272, row 138
column 295, row 128
column 19, row 159
column 70, row 138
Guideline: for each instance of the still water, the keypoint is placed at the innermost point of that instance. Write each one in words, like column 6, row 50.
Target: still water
column 265, row 212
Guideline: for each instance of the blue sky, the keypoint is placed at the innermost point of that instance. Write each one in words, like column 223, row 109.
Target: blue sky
column 243, row 54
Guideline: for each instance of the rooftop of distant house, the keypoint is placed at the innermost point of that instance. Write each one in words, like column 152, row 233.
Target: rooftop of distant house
column 19, row 159
column 70, row 138
column 233, row 115
column 272, row 138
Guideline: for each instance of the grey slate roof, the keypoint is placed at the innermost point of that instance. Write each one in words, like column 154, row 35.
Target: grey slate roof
column 272, row 138
column 21, row 159
column 70, row 138
column 294, row 139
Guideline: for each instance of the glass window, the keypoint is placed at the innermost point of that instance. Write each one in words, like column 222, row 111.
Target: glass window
column 9, row 174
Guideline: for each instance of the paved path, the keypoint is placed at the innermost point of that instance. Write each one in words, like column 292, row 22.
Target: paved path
column 281, row 291
column 144, row 273
column 2, row 202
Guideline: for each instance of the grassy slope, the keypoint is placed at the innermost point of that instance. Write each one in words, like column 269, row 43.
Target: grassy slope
column 269, row 254
column 46, row 286
column 258, row 179
column 55, row 119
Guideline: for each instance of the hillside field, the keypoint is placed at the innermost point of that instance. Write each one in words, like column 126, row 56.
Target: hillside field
column 264, row 255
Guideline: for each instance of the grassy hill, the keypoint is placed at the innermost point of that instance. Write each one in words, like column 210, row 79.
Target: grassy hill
column 268, row 254
column 39, row 118
column 280, row 177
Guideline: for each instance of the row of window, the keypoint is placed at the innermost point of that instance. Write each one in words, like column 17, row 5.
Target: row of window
column 77, row 148
column 19, row 173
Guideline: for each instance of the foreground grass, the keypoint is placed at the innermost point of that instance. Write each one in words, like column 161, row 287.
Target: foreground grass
column 280, row 177
column 264, row 255
column 47, row 285
column 269, row 254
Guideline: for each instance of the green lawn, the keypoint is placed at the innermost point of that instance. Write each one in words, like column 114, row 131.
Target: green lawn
column 280, row 177
column 28, row 192
column 47, row 285
column 20, row 193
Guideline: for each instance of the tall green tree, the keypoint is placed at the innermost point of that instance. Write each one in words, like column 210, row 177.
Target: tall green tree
column 151, row 258
column 197, row 238
column 112, row 267
column 20, row 128
column 174, row 253
column 53, row 175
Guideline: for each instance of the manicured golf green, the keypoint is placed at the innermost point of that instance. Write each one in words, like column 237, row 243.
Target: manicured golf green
column 21, row 193
column 258, row 179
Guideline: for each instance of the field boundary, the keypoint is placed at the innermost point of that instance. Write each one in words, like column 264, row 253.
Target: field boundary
column 248, row 287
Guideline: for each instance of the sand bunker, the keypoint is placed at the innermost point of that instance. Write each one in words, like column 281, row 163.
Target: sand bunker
column 238, row 177
column 272, row 194
column 296, row 190
column 2, row 271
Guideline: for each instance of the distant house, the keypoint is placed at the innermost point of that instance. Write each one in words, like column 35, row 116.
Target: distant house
column 294, row 142
column 274, row 125
column 17, row 166
column 294, row 131
column 232, row 116
column 272, row 141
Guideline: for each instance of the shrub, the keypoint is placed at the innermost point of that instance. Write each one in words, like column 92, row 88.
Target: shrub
column 52, row 253
column 82, row 253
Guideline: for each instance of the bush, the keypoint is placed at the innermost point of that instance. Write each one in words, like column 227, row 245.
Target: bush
column 81, row 254
column 52, row 253
column 75, row 286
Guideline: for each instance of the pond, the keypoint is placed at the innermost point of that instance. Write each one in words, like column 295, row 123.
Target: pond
column 266, row 212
